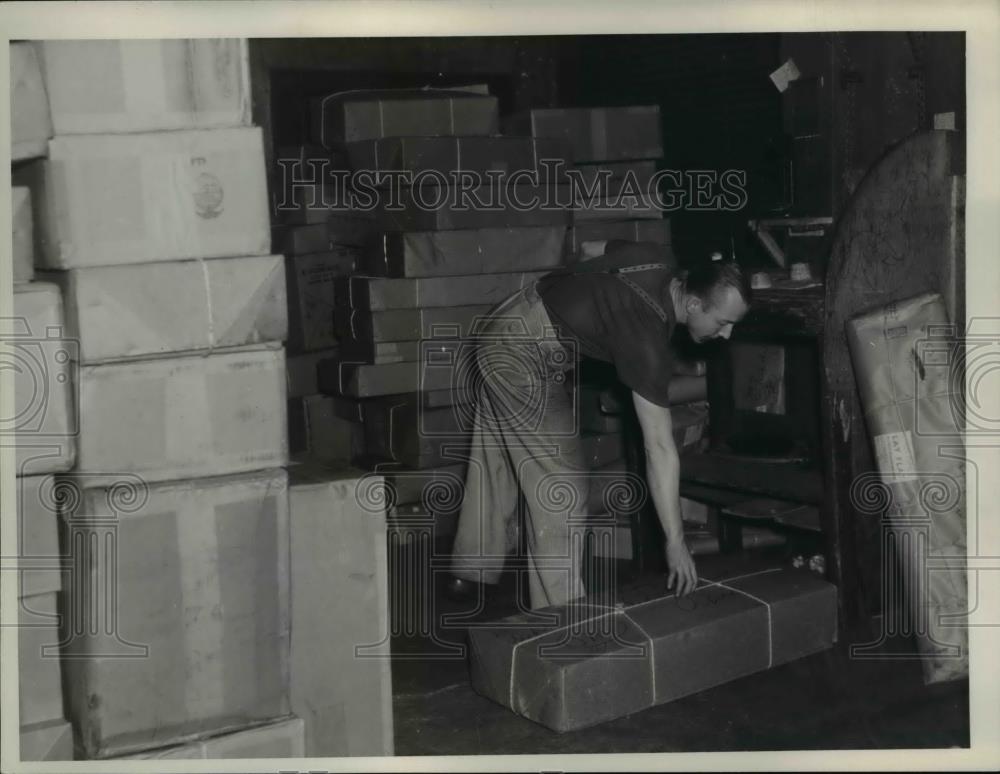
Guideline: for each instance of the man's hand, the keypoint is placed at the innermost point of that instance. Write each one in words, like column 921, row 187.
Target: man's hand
column 682, row 576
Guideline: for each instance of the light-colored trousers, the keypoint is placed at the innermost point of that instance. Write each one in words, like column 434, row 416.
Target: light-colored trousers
column 525, row 438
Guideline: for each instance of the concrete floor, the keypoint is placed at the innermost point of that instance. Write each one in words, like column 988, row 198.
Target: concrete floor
column 824, row 701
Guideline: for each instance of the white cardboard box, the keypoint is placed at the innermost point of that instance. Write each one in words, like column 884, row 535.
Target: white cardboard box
column 119, row 86
column 174, row 306
column 200, row 572
column 38, row 555
column 106, row 200
column 23, row 240
column 40, row 696
column 341, row 678
column 44, row 418
column 182, row 417
column 30, row 122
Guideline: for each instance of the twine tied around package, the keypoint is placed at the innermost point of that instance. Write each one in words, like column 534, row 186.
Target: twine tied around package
column 623, row 611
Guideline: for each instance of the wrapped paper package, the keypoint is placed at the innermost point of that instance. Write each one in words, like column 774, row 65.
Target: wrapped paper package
column 125, row 312
column 903, row 359
column 378, row 294
column 341, row 681
column 454, row 253
column 354, row 116
column 200, row 614
column 588, row 664
column 360, row 328
column 596, row 134
column 30, row 120
column 102, row 200
column 124, row 86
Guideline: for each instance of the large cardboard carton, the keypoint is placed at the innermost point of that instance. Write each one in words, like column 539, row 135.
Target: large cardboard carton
column 23, row 256
column 311, row 296
column 200, row 610
column 596, row 134
column 119, row 86
column 119, row 312
column 905, row 364
column 102, row 200
column 341, row 681
column 454, row 253
column 360, row 327
column 39, row 559
column 30, row 120
column 51, row 740
column 367, row 115
column 437, row 160
column 44, row 420
column 40, row 695
column 178, row 417
column 594, row 664
column 377, row 293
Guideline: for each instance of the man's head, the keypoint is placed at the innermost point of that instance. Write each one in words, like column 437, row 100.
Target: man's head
column 713, row 297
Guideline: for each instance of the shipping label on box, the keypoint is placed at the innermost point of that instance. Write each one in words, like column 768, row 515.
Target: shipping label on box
column 311, row 296
column 454, row 253
column 596, row 134
column 23, row 256
column 377, row 293
column 598, row 663
column 438, row 160
column 341, row 681
column 124, row 312
column 366, row 115
column 119, row 86
column 39, row 560
column 366, row 326
column 44, row 421
column 178, row 417
column 102, row 200
column 30, row 120
column 202, row 606
column 40, row 696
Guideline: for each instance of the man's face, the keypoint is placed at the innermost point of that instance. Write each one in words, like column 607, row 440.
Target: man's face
column 715, row 319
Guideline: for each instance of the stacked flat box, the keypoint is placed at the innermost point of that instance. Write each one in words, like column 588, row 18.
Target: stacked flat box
column 201, row 605
column 31, row 122
column 120, row 86
column 358, row 115
column 310, row 184
column 45, row 422
column 137, row 198
column 341, row 683
column 596, row 134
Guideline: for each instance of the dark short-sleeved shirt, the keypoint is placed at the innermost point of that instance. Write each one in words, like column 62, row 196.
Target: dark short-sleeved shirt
column 607, row 320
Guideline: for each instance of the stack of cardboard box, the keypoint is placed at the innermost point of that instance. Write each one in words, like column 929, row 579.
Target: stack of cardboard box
column 615, row 150
column 151, row 226
column 431, row 265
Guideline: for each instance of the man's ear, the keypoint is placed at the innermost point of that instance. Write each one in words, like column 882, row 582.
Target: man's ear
column 692, row 303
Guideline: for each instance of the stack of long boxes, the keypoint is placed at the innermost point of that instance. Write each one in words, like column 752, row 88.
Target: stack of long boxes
column 615, row 150
column 151, row 233
column 429, row 270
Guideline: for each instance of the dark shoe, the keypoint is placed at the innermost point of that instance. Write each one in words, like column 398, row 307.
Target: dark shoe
column 462, row 590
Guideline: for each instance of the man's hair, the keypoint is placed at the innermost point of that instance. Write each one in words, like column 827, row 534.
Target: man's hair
column 706, row 277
